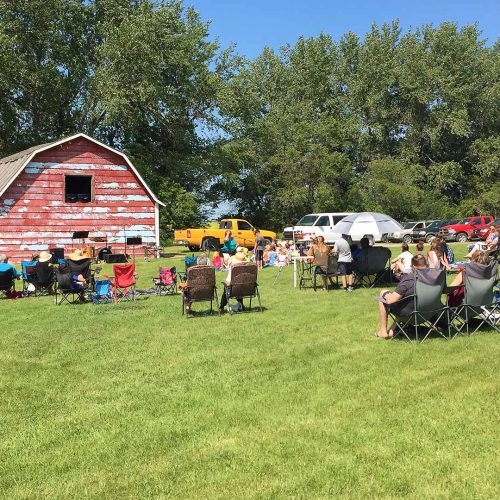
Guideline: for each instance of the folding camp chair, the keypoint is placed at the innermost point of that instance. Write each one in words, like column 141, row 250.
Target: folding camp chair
column 479, row 301
column 66, row 289
column 371, row 267
column 29, row 277
column 188, row 262
column 243, row 284
column 331, row 271
column 102, row 294
column 200, row 287
column 123, row 281
column 7, row 282
column 422, row 309
column 166, row 283
column 44, row 278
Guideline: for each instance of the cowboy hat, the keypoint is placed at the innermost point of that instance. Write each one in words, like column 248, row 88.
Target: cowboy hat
column 77, row 255
column 44, row 256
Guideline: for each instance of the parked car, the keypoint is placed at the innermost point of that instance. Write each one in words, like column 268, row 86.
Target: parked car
column 482, row 234
column 429, row 232
column 462, row 231
column 408, row 228
column 243, row 233
column 318, row 224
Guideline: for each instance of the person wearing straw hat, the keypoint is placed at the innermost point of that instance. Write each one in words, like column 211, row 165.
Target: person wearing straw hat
column 237, row 259
column 79, row 266
column 44, row 270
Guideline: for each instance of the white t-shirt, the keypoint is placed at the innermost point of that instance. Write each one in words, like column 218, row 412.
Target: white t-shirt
column 343, row 250
column 406, row 258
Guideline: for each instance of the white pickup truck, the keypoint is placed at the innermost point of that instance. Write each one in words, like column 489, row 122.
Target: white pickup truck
column 318, row 224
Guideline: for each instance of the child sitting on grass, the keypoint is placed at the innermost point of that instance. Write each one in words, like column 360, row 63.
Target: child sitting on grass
column 217, row 261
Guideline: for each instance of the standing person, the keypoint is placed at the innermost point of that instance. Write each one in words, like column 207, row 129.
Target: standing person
column 320, row 252
column 343, row 250
column 260, row 243
column 229, row 246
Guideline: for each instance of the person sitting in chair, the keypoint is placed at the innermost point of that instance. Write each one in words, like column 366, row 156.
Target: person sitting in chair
column 320, row 251
column 237, row 259
column 45, row 271
column 5, row 266
column 405, row 288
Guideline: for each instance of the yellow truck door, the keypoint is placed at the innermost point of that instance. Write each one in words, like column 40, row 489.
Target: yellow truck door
column 244, row 234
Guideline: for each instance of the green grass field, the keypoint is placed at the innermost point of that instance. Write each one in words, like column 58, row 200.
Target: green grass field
column 135, row 401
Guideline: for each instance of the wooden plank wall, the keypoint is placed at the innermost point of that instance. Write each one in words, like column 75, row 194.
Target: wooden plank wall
column 35, row 217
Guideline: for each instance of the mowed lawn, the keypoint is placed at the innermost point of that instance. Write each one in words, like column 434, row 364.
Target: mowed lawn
column 135, row 401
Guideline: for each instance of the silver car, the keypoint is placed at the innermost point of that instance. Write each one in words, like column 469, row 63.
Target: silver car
column 406, row 233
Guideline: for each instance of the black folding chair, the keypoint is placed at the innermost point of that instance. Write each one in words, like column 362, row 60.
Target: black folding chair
column 243, row 284
column 423, row 309
column 66, row 290
column 7, row 281
column 371, row 267
column 44, row 278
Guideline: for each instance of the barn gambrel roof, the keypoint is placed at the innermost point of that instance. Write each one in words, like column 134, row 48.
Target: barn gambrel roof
column 12, row 166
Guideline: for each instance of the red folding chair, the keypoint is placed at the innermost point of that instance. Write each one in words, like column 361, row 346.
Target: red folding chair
column 123, row 281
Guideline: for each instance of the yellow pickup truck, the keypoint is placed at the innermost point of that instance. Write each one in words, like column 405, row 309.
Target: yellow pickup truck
column 243, row 233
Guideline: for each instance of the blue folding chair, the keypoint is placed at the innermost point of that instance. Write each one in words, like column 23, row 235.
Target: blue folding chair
column 29, row 276
column 102, row 294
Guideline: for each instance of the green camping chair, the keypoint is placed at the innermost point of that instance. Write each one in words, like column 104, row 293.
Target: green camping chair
column 424, row 309
column 479, row 301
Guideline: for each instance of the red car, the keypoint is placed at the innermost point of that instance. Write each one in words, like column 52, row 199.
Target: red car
column 482, row 234
column 463, row 230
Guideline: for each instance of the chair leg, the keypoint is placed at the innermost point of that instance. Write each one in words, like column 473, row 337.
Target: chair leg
column 258, row 298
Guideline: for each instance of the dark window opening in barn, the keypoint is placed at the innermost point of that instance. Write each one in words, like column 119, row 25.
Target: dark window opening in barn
column 78, row 188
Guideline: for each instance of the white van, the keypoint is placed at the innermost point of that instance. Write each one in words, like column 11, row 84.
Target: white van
column 318, row 224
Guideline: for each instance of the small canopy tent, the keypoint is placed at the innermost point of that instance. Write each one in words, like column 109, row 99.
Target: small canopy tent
column 371, row 224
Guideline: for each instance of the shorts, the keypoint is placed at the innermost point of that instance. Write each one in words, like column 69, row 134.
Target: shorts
column 345, row 268
column 259, row 255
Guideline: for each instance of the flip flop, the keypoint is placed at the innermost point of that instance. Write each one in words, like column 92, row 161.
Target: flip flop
column 381, row 336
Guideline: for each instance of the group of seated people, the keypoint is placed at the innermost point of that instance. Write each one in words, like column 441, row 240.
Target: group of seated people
column 77, row 265
column 406, row 286
column 439, row 255
column 240, row 257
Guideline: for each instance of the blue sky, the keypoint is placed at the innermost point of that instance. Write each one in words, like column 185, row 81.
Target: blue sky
column 254, row 24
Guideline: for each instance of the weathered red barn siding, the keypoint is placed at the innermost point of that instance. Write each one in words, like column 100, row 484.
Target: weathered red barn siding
column 34, row 215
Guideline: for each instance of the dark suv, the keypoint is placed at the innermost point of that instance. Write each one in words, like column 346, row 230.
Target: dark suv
column 431, row 230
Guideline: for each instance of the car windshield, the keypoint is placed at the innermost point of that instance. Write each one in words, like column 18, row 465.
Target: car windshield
column 409, row 225
column 307, row 220
column 465, row 221
column 435, row 225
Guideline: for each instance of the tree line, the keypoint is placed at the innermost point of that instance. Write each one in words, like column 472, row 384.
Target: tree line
column 405, row 123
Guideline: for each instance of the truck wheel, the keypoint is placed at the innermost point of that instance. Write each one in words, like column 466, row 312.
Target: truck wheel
column 428, row 238
column 193, row 248
column 462, row 237
column 407, row 238
column 267, row 242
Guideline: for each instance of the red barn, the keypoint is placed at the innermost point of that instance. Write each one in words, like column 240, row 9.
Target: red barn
column 51, row 191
